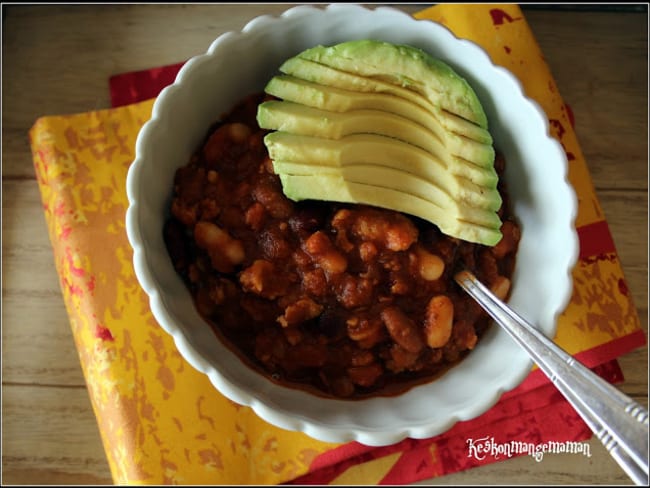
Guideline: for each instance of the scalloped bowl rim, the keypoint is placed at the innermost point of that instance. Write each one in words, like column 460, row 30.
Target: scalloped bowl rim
column 429, row 409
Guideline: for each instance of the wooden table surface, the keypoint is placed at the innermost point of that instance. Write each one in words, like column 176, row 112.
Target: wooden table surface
column 57, row 59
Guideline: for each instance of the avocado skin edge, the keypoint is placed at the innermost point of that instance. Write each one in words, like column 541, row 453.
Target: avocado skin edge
column 406, row 65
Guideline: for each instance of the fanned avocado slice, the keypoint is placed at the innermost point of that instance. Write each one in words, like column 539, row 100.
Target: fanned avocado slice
column 304, row 155
column 385, row 125
column 335, row 188
column 371, row 148
column 397, row 131
column 325, row 75
column 454, row 130
column 404, row 66
column 471, row 206
column 301, row 119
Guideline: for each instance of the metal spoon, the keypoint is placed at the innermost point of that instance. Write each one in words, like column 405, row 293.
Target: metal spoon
column 619, row 422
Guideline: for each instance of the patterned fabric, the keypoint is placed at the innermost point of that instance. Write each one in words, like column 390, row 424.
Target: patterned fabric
column 163, row 422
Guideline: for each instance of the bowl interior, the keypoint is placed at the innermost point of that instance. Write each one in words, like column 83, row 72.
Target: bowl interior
column 239, row 63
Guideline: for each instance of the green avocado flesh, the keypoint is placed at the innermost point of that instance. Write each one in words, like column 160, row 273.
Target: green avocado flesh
column 385, row 125
column 404, row 66
column 336, row 188
column 340, row 99
column 392, row 179
column 304, row 155
column 326, row 76
column 304, row 120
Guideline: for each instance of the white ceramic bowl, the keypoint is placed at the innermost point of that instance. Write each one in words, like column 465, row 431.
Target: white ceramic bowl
column 239, row 63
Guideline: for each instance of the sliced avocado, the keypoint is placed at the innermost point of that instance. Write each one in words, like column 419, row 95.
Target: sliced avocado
column 303, row 120
column 434, row 190
column 385, row 125
column 370, row 148
column 295, row 154
column 454, row 131
column 334, row 187
column 321, row 74
column 404, row 66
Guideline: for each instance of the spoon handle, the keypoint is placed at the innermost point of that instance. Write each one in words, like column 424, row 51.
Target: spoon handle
column 619, row 422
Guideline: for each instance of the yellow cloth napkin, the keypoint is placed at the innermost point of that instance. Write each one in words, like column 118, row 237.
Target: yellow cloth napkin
column 160, row 420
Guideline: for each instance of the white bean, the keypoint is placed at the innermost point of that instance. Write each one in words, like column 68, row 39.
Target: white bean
column 430, row 266
column 438, row 321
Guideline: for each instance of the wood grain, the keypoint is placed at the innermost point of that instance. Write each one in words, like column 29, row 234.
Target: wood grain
column 57, row 60
column 51, row 437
